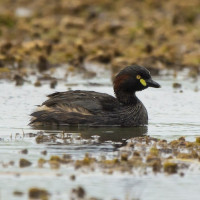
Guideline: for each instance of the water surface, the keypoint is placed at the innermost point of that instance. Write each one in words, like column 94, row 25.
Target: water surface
column 172, row 113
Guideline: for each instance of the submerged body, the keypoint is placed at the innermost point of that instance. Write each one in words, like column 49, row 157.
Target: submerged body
column 99, row 109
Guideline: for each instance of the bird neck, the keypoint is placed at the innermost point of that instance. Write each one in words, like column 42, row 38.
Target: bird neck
column 126, row 98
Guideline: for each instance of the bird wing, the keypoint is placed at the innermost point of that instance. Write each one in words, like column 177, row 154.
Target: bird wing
column 85, row 101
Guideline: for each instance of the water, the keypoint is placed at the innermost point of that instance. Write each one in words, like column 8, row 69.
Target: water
column 171, row 114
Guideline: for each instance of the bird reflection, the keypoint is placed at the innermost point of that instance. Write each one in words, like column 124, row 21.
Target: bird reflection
column 105, row 133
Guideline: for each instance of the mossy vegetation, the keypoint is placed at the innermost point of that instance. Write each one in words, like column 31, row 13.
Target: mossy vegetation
column 141, row 152
column 38, row 193
column 170, row 167
column 157, row 34
column 24, row 163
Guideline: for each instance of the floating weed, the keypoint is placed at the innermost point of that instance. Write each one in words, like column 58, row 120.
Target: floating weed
column 38, row 193
column 154, row 151
column 198, row 140
column 24, row 163
column 7, row 20
column 140, row 153
column 170, row 167
column 54, row 164
column 18, row 193
column 41, row 162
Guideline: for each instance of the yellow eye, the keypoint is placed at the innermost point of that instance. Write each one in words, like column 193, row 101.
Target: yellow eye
column 138, row 77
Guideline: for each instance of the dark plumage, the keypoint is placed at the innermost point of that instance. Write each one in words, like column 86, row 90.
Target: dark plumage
column 94, row 108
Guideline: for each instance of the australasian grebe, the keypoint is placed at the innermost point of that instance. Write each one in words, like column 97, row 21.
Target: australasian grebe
column 98, row 109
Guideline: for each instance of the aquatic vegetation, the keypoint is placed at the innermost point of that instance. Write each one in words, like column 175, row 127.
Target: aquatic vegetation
column 24, row 151
column 198, row 140
column 86, row 161
column 18, row 193
column 115, row 33
column 24, row 163
column 139, row 157
column 176, row 85
column 78, row 192
column 54, row 164
column 41, row 162
column 140, row 152
column 37, row 193
column 7, row 20
column 170, row 167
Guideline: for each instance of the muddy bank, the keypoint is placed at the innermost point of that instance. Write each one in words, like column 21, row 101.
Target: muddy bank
column 156, row 34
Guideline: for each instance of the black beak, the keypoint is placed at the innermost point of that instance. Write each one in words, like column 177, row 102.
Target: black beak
column 151, row 83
